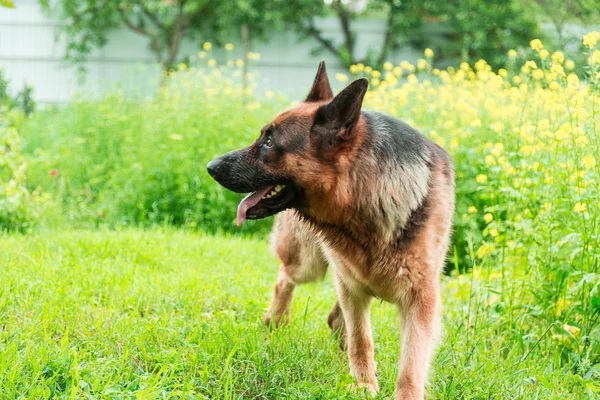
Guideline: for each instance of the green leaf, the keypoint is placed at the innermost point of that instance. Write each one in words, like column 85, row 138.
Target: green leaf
column 7, row 3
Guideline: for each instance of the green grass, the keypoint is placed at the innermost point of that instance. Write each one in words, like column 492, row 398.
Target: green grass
column 165, row 314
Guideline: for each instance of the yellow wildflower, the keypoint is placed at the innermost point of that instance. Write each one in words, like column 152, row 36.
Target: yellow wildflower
column 558, row 57
column 570, row 65
column 388, row 66
column 472, row 209
column 253, row 56
column 512, row 53
column 428, row 53
column 557, row 69
column 207, row 46
column 212, row 63
column 538, row 75
column 341, row 77
column 485, row 250
column 481, row 178
column 536, row 44
column 591, row 39
column 589, row 162
column 580, row 207
column 498, row 149
column 544, row 54
column 228, row 47
column 573, row 79
column 488, row 218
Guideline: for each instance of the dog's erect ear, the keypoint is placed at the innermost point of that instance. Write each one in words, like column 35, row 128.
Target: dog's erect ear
column 341, row 114
column 321, row 90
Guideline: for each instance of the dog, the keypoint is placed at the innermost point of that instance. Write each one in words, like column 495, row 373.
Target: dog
column 366, row 194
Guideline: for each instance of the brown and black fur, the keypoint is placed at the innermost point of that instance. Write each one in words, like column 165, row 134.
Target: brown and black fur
column 367, row 195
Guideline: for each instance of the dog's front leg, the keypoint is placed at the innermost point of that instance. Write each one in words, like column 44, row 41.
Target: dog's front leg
column 355, row 305
column 420, row 322
column 282, row 297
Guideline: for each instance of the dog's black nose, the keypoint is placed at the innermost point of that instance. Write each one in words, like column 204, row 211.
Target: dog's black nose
column 213, row 167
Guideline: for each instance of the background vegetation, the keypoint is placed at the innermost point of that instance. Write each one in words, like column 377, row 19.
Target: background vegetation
column 465, row 30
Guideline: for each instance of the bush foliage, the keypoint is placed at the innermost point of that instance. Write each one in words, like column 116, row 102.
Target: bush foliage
column 20, row 208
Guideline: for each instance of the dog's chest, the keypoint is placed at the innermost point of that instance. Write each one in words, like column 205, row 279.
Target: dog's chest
column 386, row 275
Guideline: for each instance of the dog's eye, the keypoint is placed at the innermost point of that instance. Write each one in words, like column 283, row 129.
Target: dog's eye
column 268, row 143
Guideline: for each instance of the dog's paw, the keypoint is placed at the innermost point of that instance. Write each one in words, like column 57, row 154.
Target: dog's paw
column 370, row 388
column 275, row 321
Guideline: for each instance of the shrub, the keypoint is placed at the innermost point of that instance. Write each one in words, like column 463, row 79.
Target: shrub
column 20, row 209
column 22, row 101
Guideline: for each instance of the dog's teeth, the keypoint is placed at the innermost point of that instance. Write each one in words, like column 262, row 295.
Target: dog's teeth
column 273, row 193
column 279, row 188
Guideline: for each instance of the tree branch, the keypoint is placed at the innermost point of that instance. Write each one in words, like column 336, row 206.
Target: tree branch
column 387, row 40
column 318, row 35
column 178, row 32
column 151, row 16
column 154, row 43
column 344, row 17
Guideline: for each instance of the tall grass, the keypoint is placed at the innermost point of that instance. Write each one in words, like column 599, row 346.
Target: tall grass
column 120, row 161
column 177, row 315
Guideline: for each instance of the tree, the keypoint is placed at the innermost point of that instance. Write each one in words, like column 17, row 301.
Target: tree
column 486, row 29
column 473, row 28
column 346, row 12
column 560, row 12
column 163, row 22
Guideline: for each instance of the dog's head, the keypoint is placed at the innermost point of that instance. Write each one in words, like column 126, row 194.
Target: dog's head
column 298, row 155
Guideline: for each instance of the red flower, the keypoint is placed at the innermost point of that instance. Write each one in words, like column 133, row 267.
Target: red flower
column 54, row 173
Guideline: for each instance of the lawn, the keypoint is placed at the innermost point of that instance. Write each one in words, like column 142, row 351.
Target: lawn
column 165, row 314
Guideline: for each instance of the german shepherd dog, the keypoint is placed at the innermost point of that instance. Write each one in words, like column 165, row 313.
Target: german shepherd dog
column 365, row 193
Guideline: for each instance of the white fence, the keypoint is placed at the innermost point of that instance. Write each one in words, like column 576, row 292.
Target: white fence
column 29, row 54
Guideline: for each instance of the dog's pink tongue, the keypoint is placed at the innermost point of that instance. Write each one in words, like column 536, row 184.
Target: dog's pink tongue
column 248, row 202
